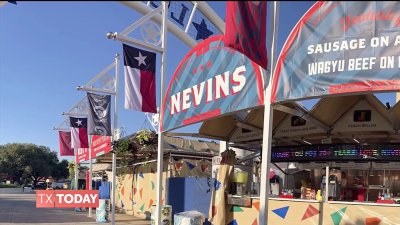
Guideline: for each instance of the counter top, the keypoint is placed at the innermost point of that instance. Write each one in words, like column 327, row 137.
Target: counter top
column 364, row 203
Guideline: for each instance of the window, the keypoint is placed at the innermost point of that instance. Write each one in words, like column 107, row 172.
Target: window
column 297, row 121
column 362, row 116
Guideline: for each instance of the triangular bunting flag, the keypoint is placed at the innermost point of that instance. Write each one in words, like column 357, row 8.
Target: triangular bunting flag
column 372, row 221
column 152, row 185
column 311, row 211
column 141, row 174
column 255, row 222
column 140, row 192
column 337, row 216
column 191, row 166
column 150, row 203
column 162, row 201
column 236, row 209
column 142, row 208
column 122, row 204
column 233, row 222
column 281, row 211
column 217, row 184
column 256, row 205
column 123, row 190
column 203, row 168
column 134, row 191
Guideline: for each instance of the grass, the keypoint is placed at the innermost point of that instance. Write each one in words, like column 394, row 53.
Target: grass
column 9, row 186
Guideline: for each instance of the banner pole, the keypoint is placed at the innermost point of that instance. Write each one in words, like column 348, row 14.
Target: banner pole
column 90, row 169
column 160, row 156
column 116, row 137
column 268, row 119
column 76, row 169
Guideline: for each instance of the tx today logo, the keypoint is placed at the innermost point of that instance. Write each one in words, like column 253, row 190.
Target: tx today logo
column 67, row 198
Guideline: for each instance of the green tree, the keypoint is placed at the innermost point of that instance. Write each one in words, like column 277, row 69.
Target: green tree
column 60, row 170
column 31, row 162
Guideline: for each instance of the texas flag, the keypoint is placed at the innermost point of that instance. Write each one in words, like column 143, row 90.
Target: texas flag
column 79, row 136
column 140, row 82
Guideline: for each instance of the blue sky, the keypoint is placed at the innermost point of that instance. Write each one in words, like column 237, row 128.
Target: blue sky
column 49, row 48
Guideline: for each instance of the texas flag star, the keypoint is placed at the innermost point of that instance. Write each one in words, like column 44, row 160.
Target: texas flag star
column 141, row 59
column 79, row 122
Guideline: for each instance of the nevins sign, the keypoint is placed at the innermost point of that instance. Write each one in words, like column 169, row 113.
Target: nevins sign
column 210, row 81
column 67, row 198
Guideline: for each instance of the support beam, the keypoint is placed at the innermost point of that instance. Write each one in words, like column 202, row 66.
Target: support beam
column 144, row 9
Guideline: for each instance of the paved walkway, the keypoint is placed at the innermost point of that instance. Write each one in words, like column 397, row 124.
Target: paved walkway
column 20, row 208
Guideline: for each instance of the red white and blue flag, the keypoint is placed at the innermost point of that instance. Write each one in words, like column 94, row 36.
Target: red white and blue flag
column 140, row 82
column 246, row 29
column 79, row 135
column 65, row 143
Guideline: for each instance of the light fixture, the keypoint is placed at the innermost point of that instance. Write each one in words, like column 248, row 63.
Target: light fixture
column 292, row 166
column 307, row 142
column 356, row 141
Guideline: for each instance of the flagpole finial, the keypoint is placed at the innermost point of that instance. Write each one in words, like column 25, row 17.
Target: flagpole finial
column 117, row 55
column 79, row 88
column 111, row 35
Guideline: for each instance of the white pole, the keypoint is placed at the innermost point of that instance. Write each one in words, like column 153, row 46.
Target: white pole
column 326, row 183
column 268, row 118
column 90, row 170
column 76, row 170
column 160, row 156
column 114, row 157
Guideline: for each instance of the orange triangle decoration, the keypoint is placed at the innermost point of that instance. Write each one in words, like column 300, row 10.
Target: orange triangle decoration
column 256, row 205
column 255, row 222
column 372, row 221
column 150, row 203
column 134, row 191
column 140, row 192
column 123, row 191
column 311, row 211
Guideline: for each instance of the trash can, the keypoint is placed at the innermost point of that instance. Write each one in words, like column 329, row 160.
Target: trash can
column 166, row 215
column 189, row 218
column 102, row 211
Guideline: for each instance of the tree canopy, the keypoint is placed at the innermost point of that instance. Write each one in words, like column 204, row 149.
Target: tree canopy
column 30, row 162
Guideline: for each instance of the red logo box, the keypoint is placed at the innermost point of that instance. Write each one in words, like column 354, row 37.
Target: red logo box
column 67, row 198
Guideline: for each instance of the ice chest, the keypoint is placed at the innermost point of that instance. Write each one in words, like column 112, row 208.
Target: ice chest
column 189, row 218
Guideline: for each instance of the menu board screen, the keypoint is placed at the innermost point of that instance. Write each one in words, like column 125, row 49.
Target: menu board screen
column 336, row 152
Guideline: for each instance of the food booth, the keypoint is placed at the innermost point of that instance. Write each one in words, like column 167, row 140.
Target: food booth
column 336, row 164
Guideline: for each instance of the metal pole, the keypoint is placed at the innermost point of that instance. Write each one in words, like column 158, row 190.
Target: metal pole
column 268, row 117
column 160, row 157
column 90, row 170
column 116, row 136
column 76, row 170
column 326, row 183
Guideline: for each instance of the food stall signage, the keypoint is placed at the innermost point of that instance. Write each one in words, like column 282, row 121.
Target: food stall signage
column 210, row 81
column 340, row 47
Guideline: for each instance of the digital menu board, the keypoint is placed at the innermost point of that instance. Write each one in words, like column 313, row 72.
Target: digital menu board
column 336, row 152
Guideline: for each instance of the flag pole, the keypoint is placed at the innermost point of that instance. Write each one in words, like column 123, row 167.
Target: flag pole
column 268, row 117
column 116, row 137
column 160, row 156
column 76, row 169
column 90, row 169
